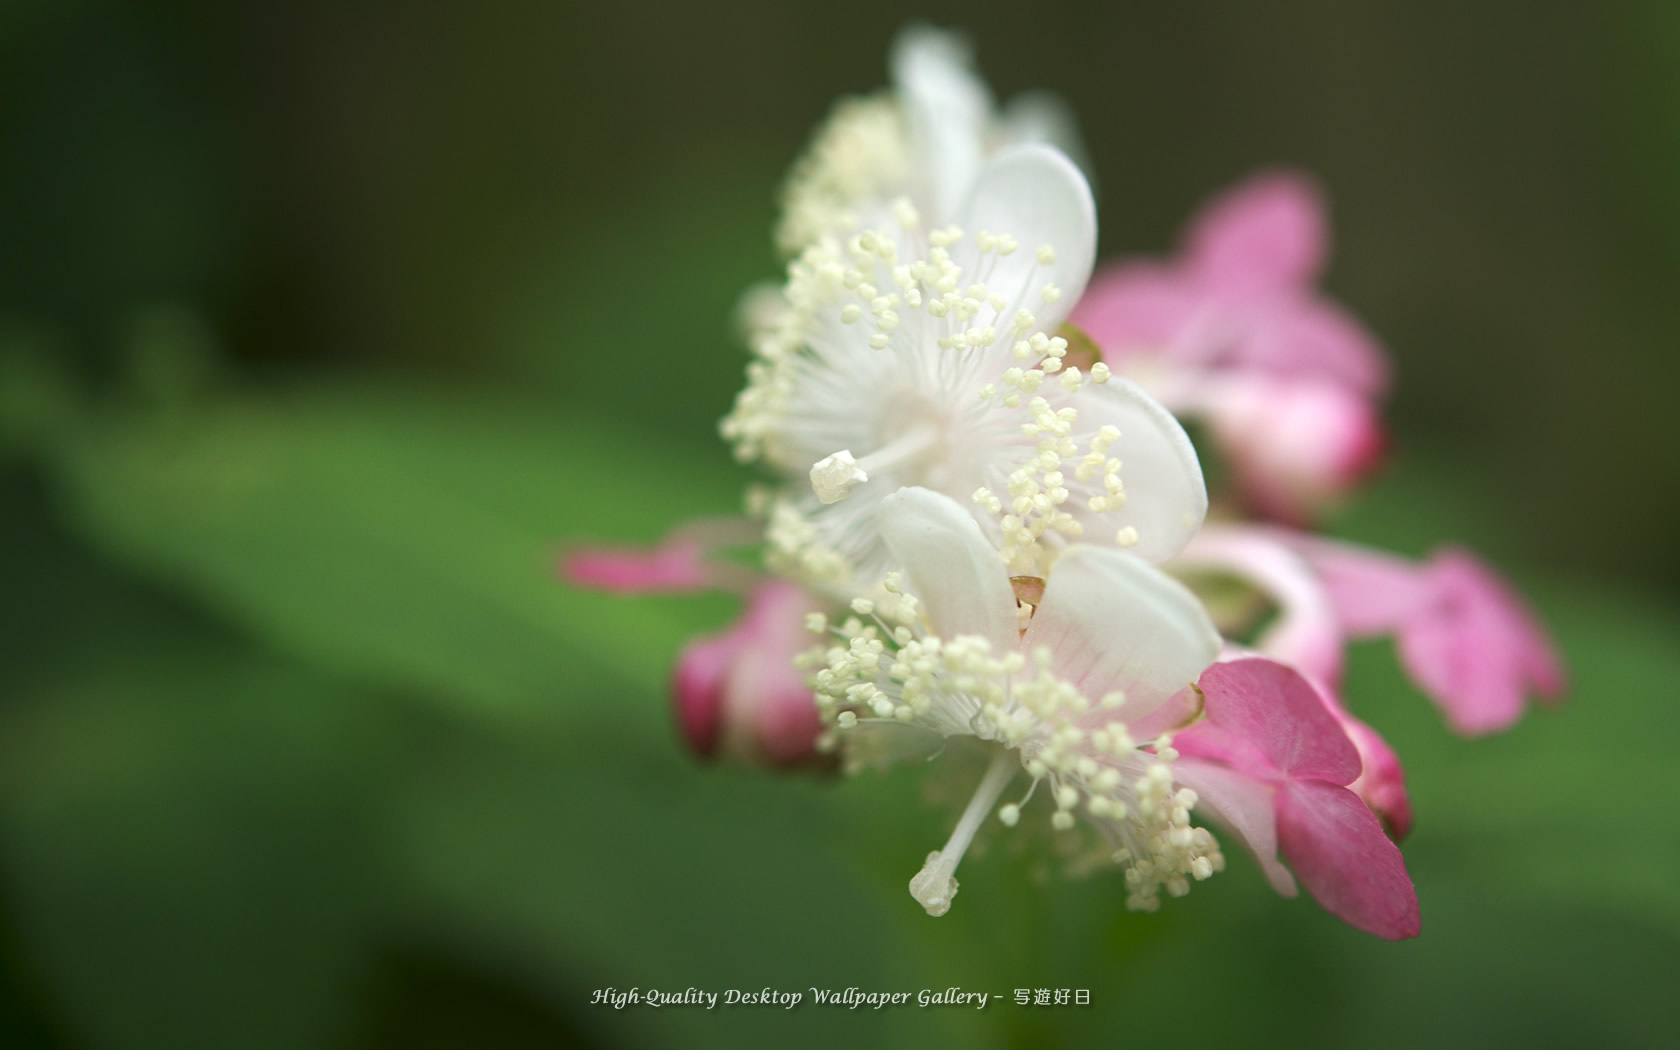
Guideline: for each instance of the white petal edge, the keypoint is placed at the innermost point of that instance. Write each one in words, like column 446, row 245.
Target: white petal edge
column 1035, row 194
column 1113, row 622
column 957, row 575
column 1166, row 497
column 1042, row 116
column 946, row 109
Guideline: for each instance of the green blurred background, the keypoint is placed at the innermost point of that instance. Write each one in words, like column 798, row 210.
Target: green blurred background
column 322, row 325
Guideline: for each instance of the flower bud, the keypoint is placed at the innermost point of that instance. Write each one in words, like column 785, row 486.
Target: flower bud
column 737, row 694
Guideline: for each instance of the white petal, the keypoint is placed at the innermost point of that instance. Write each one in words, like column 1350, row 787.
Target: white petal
column 1113, row 622
column 961, row 581
column 1037, row 195
column 946, row 108
column 1040, row 116
column 1166, row 498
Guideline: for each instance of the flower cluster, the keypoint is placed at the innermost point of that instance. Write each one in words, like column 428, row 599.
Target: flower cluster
column 983, row 529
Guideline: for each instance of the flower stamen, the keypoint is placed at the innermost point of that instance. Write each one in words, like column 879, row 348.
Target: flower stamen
column 935, row 885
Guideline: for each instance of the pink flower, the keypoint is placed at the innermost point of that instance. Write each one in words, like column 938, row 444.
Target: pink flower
column 1273, row 764
column 1234, row 333
column 1464, row 636
column 737, row 692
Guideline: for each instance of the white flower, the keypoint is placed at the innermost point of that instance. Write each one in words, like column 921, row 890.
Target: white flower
column 925, row 142
column 944, row 655
column 928, row 357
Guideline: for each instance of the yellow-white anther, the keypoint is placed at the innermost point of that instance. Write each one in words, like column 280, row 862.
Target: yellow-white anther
column 833, row 476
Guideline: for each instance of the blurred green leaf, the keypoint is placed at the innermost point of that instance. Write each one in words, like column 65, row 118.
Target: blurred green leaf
column 406, row 536
column 177, row 840
column 186, row 827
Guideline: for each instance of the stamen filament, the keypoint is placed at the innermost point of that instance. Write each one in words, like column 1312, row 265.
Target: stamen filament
column 935, row 885
column 912, row 442
column 833, row 476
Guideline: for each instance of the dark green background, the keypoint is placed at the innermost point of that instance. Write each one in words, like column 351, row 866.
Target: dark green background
column 321, row 326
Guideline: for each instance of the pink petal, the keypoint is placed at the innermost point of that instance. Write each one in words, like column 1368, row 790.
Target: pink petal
column 1138, row 310
column 1274, row 708
column 1267, row 231
column 1338, row 850
column 671, row 568
column 1242, row 805
column 1476, row 648
column 1241, row 298
column 1311, row 337
column 1373, row 592
column 1307, row 336
column 1212, row 743
column 679, row 563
